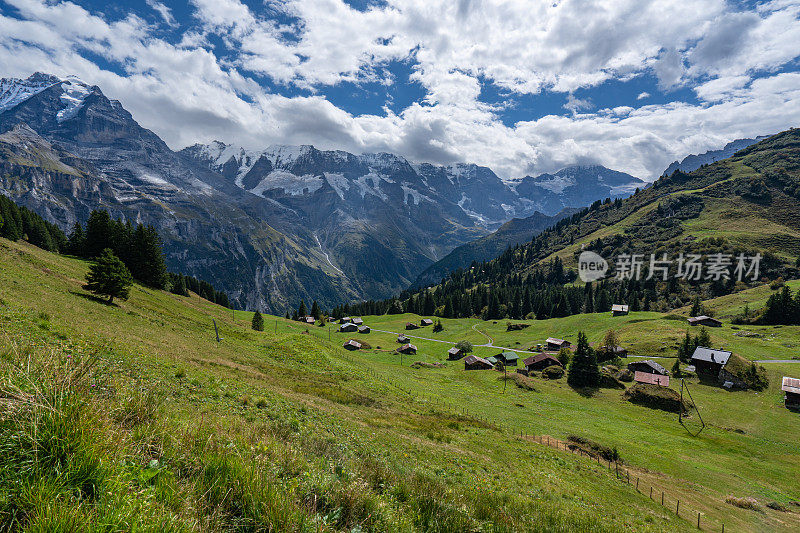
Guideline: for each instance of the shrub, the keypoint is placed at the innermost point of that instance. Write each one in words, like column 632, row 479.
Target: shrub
column 553, row 372
column 594, row 448
column 625, row 375
column 522, row 382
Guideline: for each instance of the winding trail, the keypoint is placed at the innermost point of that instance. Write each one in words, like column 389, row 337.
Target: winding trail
column 327, row 258
column 489, row 344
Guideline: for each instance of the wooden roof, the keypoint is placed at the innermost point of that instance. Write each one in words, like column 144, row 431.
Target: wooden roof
column 709, row 355
column 472, row 359
column 702, row 318
column 790, row 385
column 622, row 308
column 539, row 358
column 553, row 340
column 353, row 343
column 653, row 379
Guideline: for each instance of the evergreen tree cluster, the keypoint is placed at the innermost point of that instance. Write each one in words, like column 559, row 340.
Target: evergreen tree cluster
column 783, row 307
column 18, row 222
column 690, row 343
column 583, row 370
column 181, row 284
column 139, row 246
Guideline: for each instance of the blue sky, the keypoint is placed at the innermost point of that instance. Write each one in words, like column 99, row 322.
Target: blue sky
column 522, row 87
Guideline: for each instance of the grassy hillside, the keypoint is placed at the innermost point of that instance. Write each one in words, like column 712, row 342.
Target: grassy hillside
column 160, row 427
column 133, row 416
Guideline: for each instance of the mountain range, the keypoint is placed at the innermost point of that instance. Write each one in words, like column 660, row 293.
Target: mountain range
column 694, row 161
column 268, row 226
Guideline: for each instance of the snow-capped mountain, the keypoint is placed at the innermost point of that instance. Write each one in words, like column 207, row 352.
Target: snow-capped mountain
column 268, row 226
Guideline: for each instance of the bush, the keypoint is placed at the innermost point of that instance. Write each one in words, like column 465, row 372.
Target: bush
column 625, row 375
column 522, row 382
column 553, row 372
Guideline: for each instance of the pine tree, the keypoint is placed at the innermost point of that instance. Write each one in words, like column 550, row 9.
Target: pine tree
column 583, row 371
column 676, row 368
column 77, row 241
column 703, row 339
column 315, row 311
column 258, row 322
column 302, row 311
column 697, row 307
column 109, row 276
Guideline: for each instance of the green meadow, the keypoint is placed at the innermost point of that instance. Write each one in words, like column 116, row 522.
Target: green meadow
column 160, row 427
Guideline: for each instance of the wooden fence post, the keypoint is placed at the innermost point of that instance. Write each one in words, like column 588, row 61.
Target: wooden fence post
column 677, row 508
column 662, row 497
column 698, row 520
column 637, row 484
column 651, row 493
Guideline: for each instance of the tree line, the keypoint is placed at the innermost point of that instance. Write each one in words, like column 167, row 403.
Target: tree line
column 138, row 247
column 18, row 222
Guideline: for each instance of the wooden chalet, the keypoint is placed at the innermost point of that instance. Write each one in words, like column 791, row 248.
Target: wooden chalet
column 709, row 361
column 540, row 362
column 426, row 322
column 352, row 345
column 473, row 362
column 408, row 349
column 619, row 309
column 309, row 320
column 357, row 321
column 554, row 344
column 345, row 320
column 454, row 354
column 652, row 379
column 331, row 319
column 364, row 329
column 791, row 386
column 508, row 358
column 647, row 367
column 704, row 320
column 402, row 339
column 348, row 328
column 616, row 351
column 411, row 325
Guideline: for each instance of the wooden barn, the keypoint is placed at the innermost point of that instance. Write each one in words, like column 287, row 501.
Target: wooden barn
column 411, row 325
column 704, row 320
column 652, row 379
column 791, row 386
column 619, row 310
column 364, row 329
column 454, row 354
column 473, row 362
column 554, row 344
column 348, row 328
column 402, row 339
column 407, row 349
column 616, row 351
column 709, row 361
column 345, row 320
column 309, row 320
column 540, row 362
column 352, row 345
column 331, row 319
column 426, row 322
column 508, row 358
column 357, row 321
column 647, row 367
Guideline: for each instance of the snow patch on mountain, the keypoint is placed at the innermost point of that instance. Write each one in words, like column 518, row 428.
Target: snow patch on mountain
column 74, row 94
column 339, row 183
column 14, row 91
column 291, row 184
column 554, row 183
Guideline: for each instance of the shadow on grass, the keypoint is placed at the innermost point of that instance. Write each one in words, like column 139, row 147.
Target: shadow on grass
column 93, row 298
column 586, row 392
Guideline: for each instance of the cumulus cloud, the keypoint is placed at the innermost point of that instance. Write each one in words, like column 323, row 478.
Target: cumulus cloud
column 194, row 89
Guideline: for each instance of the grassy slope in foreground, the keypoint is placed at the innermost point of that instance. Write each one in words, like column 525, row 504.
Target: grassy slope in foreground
column 277, row 430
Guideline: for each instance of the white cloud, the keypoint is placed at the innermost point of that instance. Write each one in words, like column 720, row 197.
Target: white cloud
column 190, row 91
column 164, row 11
